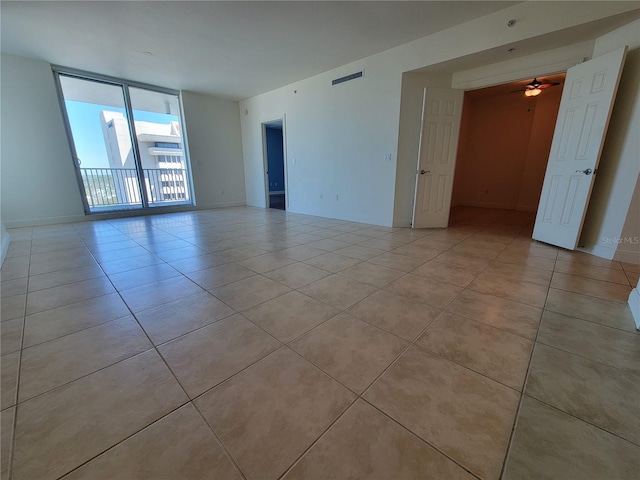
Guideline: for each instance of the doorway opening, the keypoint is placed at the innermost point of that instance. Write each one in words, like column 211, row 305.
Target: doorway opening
column 504, row 145
column 274, row 164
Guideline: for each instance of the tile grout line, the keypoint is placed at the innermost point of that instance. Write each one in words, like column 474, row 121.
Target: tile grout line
column 17, row 392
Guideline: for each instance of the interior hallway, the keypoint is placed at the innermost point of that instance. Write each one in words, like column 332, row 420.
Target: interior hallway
column 259, row 344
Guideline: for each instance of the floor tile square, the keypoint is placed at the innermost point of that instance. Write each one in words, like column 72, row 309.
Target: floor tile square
column 331, row 262
column 588, row 286
column 605, row 312
column 497, row 354
column 221, row 275
column 405, row 263
column 66, row 294
column 338, row 291
column 534, row 261
column 600, row 343
column 205, row 357
column 267, row 262
column 7, row 418
column 520, row 273
column 522, row 292
column 302, row 252
column 394, row 313
column 126, row 264
column 351, row 351
column 58, row 431
column 297, row 274
column 44, row 326
column 463, row 414
column 549, row 444
column 159, row 293
column 64, row 277
column 425, row 290
column 599, row 394
column 249, row 292
column 143, row 276
column 54, row 363
column 11, row 335
column 365, row 443
column 178, row 446
column 328, row 244
column 417, row 250
column 445, row 273
column 273, row 411
column 289, row 316
column 9, row 365
column 613, row 275
column 12, row 307
column 10, row 288
column 372, row 274
column 185, row 315
column 359, row 252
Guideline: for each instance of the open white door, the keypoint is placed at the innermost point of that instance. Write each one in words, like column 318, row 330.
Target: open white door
column 585, row 108
column 441, row 114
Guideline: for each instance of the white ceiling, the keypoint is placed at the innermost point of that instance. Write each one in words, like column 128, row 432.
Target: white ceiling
column 233, row 49
column 238, row 49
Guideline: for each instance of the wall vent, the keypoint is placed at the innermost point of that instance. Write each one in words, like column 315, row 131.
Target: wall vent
column 347, row 78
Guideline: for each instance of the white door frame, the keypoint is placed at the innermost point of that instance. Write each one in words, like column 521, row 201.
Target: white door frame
column 517, row 76
column 265, row 162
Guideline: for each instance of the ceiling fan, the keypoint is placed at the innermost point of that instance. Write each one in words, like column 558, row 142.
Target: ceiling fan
column 535, row 87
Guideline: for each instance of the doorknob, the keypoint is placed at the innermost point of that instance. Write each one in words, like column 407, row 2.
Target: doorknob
column 586, row 172
column 422, row 172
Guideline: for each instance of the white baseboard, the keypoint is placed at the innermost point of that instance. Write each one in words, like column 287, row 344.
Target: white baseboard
column 34, row 222
column 634, row 305
column 220, row 205
column 402, row 224
column 6, row 240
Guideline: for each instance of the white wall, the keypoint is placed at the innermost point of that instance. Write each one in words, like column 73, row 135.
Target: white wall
column 619, row 165
column 340, row 135
column 215, row 150
column 629, row 246
column 38, row 180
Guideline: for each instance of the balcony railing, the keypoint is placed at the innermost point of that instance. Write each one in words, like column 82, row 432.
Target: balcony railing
column 117, row 188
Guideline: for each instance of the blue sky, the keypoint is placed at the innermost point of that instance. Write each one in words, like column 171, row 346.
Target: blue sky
column 84, row 119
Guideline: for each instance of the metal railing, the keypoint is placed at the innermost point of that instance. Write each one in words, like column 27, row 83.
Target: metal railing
column 118, row 187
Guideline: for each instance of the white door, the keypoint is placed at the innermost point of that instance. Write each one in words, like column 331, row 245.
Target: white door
column 441, row 113
column 585, row 108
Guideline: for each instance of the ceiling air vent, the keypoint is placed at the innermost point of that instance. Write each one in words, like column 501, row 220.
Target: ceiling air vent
column 347, row 78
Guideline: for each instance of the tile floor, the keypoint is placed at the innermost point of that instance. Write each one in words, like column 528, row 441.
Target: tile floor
column 260, row 344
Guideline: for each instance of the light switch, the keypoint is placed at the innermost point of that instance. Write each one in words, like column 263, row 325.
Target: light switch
column 387, row 157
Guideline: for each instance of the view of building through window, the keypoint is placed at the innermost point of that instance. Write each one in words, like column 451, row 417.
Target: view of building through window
column 161, row 156
column 111, row 166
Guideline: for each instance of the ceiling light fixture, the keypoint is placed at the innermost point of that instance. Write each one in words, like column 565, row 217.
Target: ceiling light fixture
column 148, row 54
column 534, row 92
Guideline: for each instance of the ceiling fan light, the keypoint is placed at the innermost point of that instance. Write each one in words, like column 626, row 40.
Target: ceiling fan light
column 534, row 92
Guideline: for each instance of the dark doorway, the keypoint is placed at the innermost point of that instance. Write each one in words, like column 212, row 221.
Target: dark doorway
column 275, row 164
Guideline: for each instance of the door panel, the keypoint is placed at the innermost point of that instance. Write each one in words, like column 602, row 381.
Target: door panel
column 585, row 109
column 441, row 113
column 100, row 131
column 161, row 148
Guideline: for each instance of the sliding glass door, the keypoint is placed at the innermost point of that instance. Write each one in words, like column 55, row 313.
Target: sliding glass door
column 128, row 143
